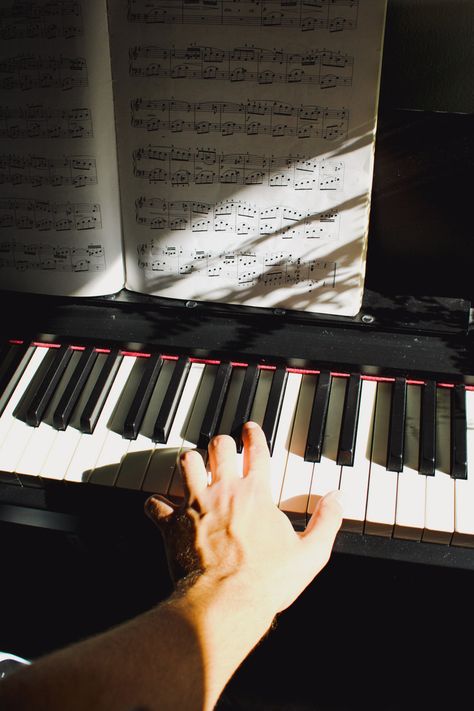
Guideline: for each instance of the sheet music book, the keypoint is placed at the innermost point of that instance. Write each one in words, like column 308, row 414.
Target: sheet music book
column 211, row 150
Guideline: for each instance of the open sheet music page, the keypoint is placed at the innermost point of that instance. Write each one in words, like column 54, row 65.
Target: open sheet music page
column 59, row 205
column 246, row 140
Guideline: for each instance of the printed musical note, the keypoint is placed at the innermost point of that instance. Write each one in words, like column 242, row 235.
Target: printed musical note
column 45, row 122
column 50, row 19
column 264, row 117
column 29, row 71
column 243, row 269
column 201, row 166
column 236, row 216
column 31, row 214
column 76, row 171
column 331, row 15
column 248, row 63
column 24, row 256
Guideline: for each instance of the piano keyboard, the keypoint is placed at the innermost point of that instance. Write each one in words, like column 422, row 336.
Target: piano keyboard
column 401, row 451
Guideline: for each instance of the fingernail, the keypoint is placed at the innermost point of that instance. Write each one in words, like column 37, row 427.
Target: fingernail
column 250, row 425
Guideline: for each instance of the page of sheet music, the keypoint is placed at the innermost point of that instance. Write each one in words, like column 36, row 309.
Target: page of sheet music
column 246, row 140
column 60, row 227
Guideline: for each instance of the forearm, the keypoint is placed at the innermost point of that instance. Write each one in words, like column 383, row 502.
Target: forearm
column 179, row 655
column 229, row 620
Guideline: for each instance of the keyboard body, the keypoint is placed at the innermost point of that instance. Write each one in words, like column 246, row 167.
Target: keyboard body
column 384, row 344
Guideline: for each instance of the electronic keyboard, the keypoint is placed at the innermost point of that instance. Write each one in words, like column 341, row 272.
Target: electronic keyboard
column 381, row 410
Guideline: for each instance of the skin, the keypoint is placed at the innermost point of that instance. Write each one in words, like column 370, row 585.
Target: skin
column 236, row 561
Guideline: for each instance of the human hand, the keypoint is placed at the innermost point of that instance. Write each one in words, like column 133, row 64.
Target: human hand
column 231, row 527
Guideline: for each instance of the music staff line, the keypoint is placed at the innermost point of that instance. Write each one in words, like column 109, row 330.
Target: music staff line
column 241, row 217
column 29, row 71
column 31, row 214
column 47, row 257
column 244, row 269
column 76, row 171
column 254, row 117
column 200, row 166
column 48, row 20
column 306, row 15
column 247, row 63
column 43, row 122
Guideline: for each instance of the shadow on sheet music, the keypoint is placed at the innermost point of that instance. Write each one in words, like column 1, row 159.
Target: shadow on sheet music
column 416, row 245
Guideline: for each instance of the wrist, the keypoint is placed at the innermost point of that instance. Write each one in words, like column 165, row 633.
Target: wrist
column 227, row 621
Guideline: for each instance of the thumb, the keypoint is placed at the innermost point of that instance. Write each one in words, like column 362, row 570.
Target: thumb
column 159, row 509
column 324, row 524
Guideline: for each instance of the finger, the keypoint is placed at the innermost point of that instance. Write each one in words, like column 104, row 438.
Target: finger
column 324, row 524
column 222, row 457
column 159, row 509
column 193, row 471
column 256, row 454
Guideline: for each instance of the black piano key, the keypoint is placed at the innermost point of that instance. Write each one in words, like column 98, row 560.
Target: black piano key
column 10, row 358
column 41, row 398
column 396, row 434
column 96, row 400
column 427, row 460
column 134, row 416
column 14, row 359
column 274, row 403
column 350, row 417
column 458, row 433
column 317, row 423
column 167, row 412
column 213, row 412
column 73, row 389
column 244, row 404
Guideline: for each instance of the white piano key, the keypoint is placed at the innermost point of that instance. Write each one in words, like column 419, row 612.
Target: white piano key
column 90, row 445
column 134, row 464
column 464, row 488
column 43, row 437
column 115, row 446
column 7, row 420
column 327, row 472
column 411, row 493
column 162, row 464
column 257, row 413
column 62, row 450
column 382, row 495
column 283, row 435
column 195, row 401
column 17, row 433
column 298, row 473
column 60, row 454
column 355, row 480
column 439, row 514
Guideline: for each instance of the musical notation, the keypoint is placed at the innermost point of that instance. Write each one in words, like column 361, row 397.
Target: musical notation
column 47, row 20
column 236, row 216
column 201, row 166
column 43, row 122
column 307, row 15
column 255, row 117
column 76, row 171
column 247, row 63
column 29, row 71
column 48, row 257
column 243, row 269
column 30, row 214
